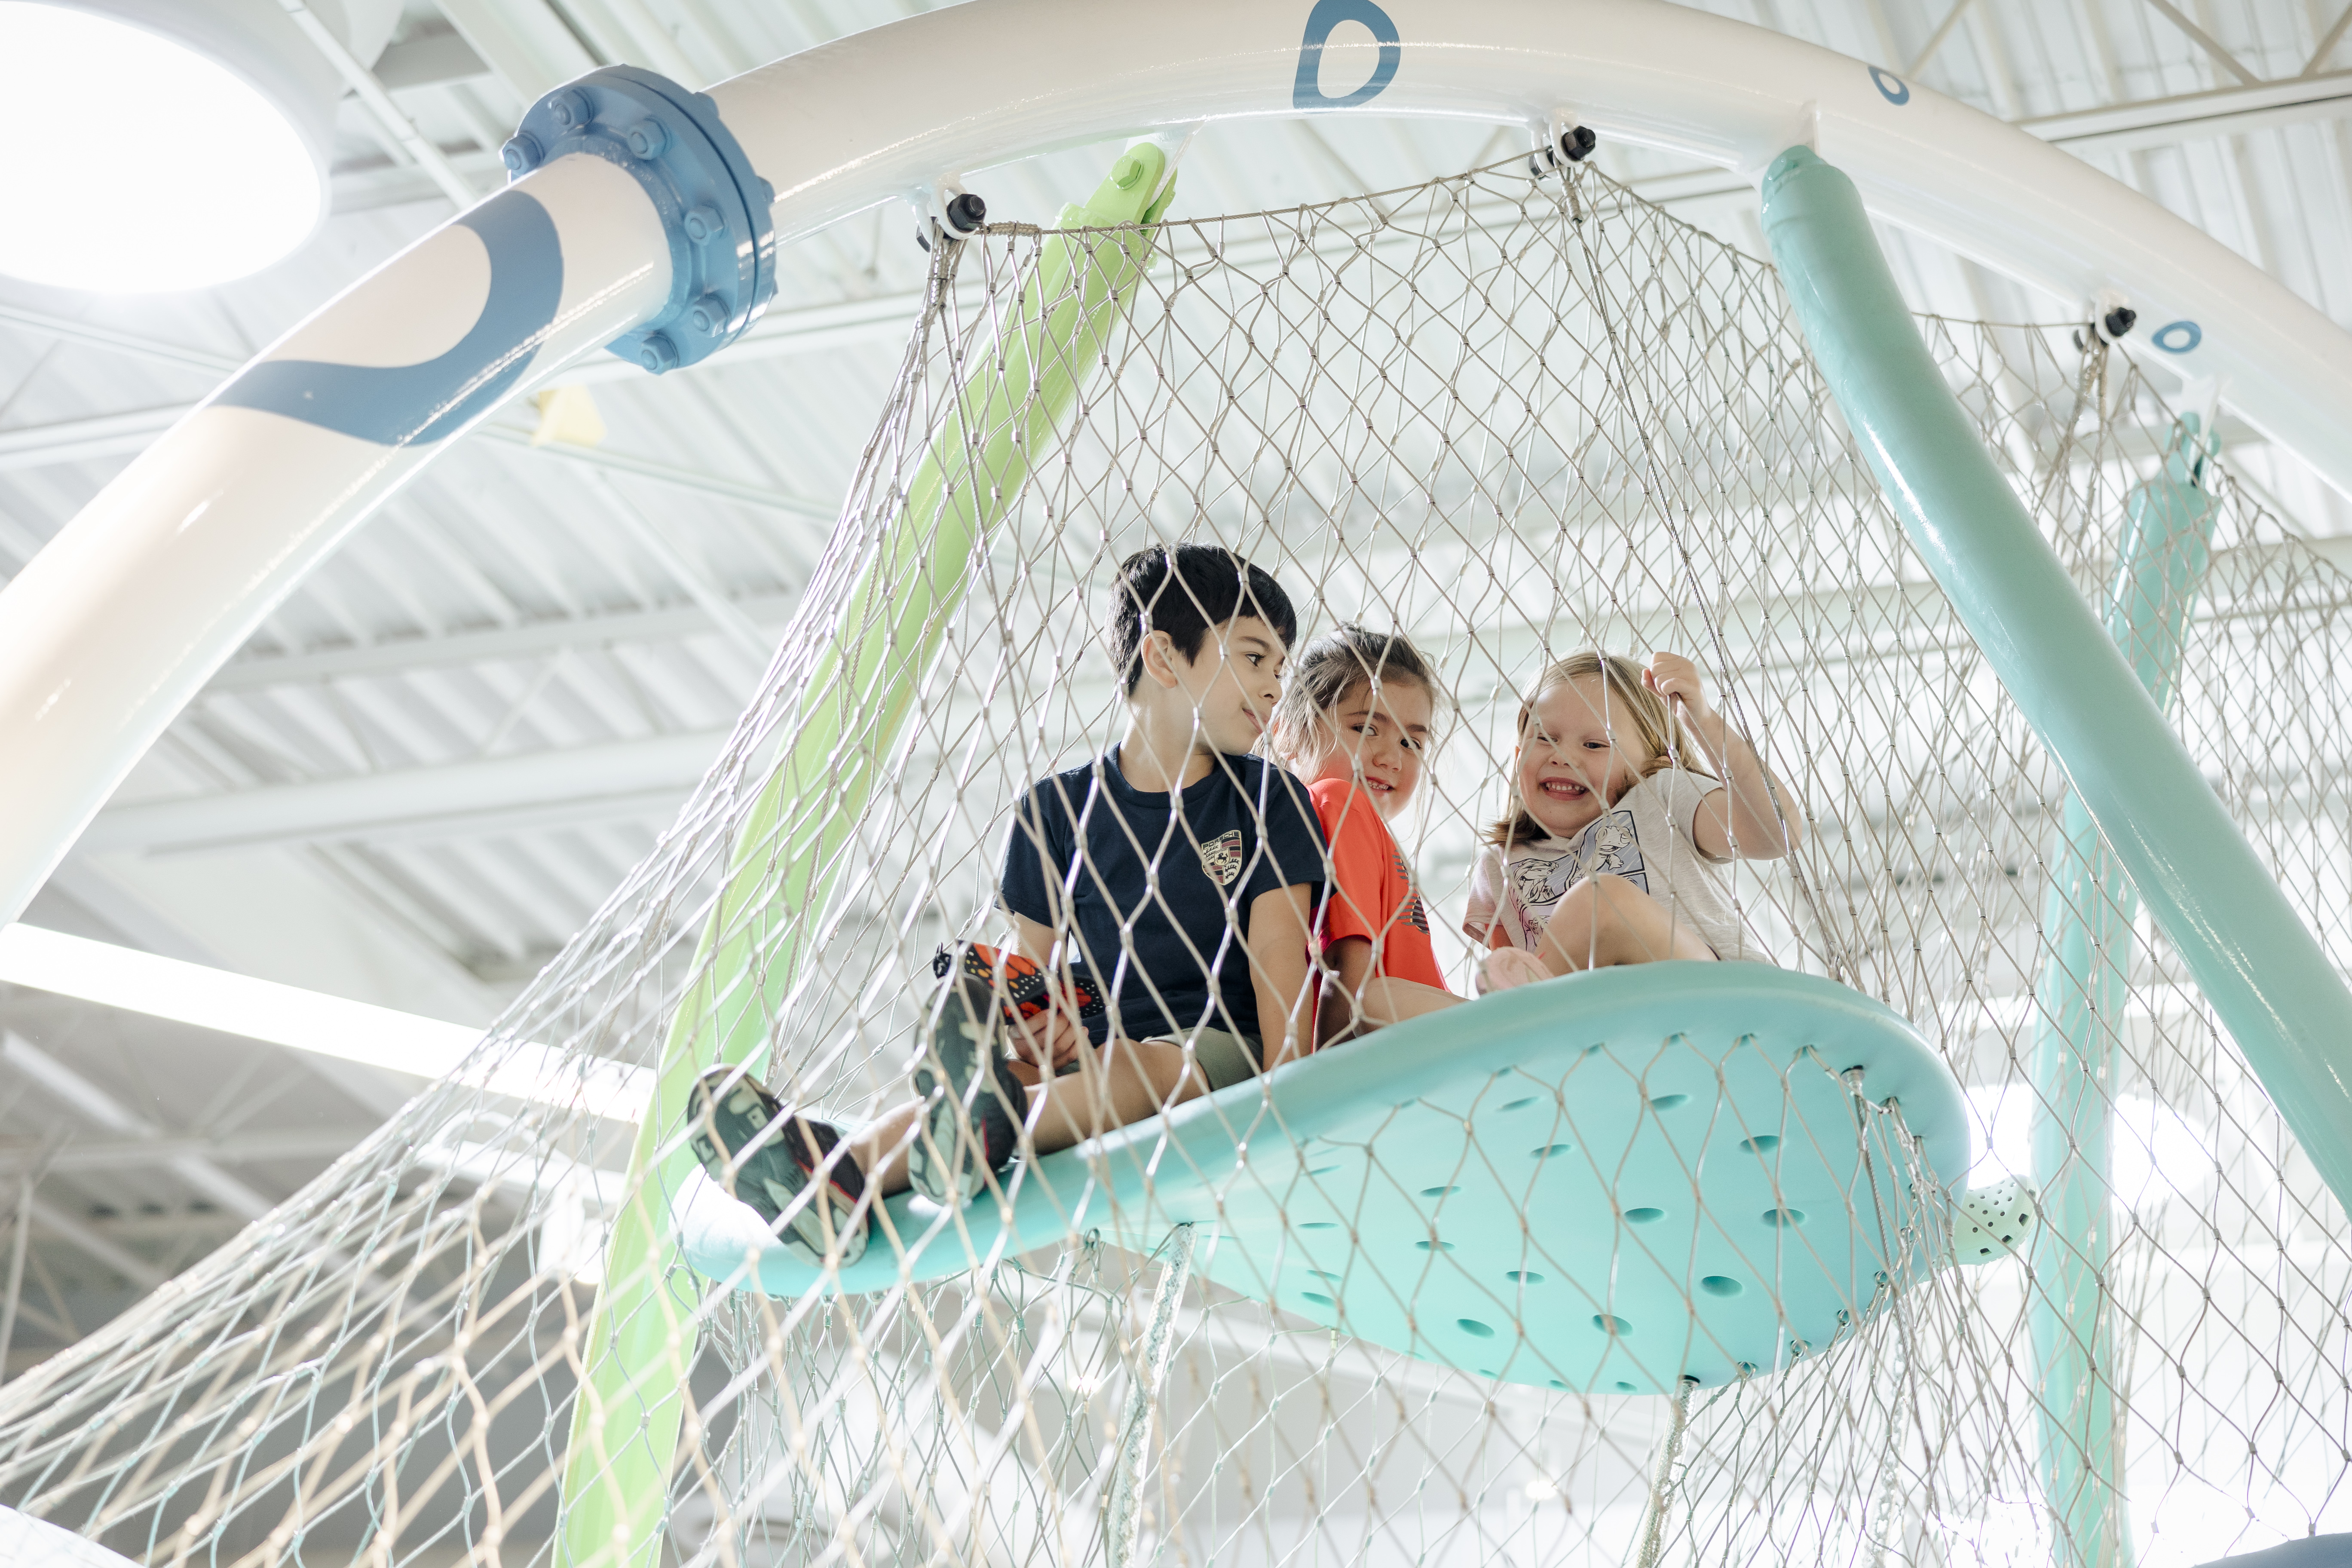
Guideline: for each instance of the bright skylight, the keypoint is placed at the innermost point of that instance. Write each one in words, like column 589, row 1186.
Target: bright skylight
column 137, row 165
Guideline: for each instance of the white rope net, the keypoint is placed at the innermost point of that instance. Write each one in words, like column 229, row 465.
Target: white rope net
column 1512, row 419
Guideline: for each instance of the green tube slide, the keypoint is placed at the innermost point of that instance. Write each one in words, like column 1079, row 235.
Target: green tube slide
column 2266, row 976
column 2087, row 916
column 787, row 856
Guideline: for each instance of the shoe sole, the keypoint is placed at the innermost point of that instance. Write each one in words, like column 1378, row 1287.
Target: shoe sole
column 771, row 1172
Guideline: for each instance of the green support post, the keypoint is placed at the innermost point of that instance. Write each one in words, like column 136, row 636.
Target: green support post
column 2087, row 914
column 786, row 859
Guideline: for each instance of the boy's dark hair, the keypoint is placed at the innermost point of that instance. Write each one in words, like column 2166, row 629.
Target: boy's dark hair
column 1184, row 590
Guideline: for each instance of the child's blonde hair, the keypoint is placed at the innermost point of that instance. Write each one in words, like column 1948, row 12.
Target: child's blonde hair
column 1649, row 716
column 1322, row 676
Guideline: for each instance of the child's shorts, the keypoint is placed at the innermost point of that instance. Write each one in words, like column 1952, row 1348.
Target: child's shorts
column 1224, row 1058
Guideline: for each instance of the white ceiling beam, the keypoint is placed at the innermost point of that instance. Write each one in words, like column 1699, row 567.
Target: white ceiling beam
column 523, row 40
column 418, row 147
column 172, row 1225
column 96, row 1105
column 67, row 1228
column 2205, row 41
column 435, row 59
column 758, row 497
column 626, row 33
column 81, row 440
column 353, row 188
column 615, row 779
column 311, row 1021
column 109, row 896
column 124, row 435
column 2328, row 40
column 20, row 1156
column 2196, row 116
column 785, row 329
column 651, row 776
column 98, row 336
column 1936, row 39
column 533, row 640
column 701, row 584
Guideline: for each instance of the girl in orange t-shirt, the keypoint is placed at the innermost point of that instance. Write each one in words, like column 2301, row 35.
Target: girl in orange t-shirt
column 1355, row 722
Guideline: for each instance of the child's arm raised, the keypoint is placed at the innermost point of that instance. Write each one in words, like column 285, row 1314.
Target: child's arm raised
column 1739, row 819
column 1281, row 924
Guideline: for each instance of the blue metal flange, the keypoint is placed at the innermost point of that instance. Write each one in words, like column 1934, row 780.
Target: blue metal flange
column 722, row 242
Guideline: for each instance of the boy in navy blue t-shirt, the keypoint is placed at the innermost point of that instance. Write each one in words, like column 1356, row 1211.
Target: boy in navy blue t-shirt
column 1162, row 895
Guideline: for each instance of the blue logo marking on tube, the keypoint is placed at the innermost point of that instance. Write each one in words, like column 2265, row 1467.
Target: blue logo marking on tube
column 2178, row 337
column 1328, row 14
column 397, row 405
column 1892, row 87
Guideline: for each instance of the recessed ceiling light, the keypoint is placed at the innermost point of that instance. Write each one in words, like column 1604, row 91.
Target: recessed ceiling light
column 139, row 162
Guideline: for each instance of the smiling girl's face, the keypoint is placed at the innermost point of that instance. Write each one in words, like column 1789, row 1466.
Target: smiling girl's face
column 1378, row 740
column 1577, row 756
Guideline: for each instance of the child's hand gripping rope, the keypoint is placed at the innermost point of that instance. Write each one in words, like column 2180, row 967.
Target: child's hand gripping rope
column 1677, row 680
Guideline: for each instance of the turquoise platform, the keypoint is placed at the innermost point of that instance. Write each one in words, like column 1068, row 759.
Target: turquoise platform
column 1610, row 1182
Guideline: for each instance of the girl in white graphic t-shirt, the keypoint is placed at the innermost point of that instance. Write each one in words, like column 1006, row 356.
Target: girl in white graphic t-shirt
column 1608, row 852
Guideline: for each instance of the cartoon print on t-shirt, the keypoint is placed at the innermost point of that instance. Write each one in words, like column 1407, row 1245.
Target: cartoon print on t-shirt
column 1540, row 879
column 1613, row 849
column 1608, row 848
column 1221, row 858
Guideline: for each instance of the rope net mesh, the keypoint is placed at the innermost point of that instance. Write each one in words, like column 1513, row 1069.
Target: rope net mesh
column 1513, row 419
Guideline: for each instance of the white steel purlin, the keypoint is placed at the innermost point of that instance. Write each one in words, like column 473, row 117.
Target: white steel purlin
column 120, row 621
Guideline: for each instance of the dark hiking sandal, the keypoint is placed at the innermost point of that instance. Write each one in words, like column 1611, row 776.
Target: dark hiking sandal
column 783, row 1165
column 971, row 1102
column 1021, row 984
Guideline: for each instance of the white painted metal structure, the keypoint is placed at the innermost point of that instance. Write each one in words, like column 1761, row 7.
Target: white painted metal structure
column 114, row 627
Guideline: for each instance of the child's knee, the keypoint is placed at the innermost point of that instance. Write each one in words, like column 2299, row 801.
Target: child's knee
column 1603, row 896
column 1613, row 890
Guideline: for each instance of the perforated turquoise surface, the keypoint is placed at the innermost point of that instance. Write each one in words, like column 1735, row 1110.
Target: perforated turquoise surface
column 1608, row 1182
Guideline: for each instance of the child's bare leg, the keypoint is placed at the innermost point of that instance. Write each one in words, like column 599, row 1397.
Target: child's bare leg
column 880, row 1147
column 1382, row 1002
column 1123, row 1083
column 1606, row 920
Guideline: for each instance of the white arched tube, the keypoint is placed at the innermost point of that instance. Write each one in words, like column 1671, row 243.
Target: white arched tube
column 143, row 595
column 114, row 627
column 888, row 112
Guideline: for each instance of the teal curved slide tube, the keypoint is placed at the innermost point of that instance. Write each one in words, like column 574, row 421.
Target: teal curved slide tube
column 2267, row 977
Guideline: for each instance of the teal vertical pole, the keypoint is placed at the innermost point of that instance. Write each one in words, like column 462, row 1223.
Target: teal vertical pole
column 2267, row 978
column 2087, row 915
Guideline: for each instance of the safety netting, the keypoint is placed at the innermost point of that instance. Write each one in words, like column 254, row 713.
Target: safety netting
column 1511, row 416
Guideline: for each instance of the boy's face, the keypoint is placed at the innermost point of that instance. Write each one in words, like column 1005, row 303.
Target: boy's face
column 1574, row 761
column 1231, row 685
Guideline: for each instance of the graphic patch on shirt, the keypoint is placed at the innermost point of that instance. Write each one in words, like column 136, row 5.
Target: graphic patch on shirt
column 1415, row 911
column 1221, row 858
